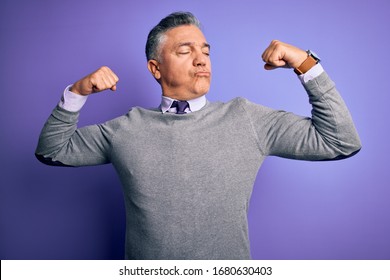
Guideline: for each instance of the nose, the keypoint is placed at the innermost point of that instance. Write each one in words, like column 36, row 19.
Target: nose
column 200, row 59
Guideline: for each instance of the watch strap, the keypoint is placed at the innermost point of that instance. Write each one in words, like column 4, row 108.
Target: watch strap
column 309, row 62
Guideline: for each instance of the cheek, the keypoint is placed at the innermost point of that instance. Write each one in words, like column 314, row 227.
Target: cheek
column 178, row 69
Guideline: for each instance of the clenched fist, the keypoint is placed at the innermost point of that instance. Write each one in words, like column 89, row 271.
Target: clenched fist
column 279, row 54
column 102, row 79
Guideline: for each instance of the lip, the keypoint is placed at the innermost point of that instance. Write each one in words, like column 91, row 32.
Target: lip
column 202, row 74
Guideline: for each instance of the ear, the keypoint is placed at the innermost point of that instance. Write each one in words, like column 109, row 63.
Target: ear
column 153, row 67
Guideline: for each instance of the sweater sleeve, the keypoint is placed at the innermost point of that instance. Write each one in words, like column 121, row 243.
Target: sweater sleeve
column 329, row 134
column 62, row 143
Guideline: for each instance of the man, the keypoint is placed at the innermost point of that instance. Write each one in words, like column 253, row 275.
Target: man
column 188, row 167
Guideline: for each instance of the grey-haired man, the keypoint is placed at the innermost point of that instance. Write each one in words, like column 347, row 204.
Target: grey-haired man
column 188, row 166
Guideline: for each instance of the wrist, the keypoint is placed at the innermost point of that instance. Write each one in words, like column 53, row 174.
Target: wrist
column 311, row 60
column 300, row 59
column 73, row 89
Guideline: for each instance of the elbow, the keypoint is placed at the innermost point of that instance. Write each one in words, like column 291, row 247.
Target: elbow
column 349, row 149
column 354, row 152
column 49, row 161
column 355, row 145
column 350, row 144
column 43, row 159
column 356, row 148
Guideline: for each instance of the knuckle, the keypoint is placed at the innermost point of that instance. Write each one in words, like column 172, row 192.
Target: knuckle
column 103, row 70
column 92, row 79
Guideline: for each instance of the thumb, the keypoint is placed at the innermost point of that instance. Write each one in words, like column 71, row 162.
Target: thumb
column 276, row 64
column 269, row 67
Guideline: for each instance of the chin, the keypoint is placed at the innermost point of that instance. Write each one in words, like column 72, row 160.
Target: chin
column 200, row 93
column 202, row 90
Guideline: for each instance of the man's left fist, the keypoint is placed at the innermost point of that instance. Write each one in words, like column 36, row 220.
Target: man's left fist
column 279, row 54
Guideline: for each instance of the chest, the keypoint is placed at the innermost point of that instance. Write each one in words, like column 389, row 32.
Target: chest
column 186, row 163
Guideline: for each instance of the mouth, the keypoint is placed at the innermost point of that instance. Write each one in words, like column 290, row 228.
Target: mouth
column 202, row 74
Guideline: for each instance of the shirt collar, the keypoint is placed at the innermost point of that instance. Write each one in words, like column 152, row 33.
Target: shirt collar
column 194, row 104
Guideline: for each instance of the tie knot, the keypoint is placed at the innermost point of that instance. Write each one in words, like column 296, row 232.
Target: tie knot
column 180, row 106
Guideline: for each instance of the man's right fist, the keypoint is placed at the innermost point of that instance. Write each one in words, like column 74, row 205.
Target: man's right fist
column 100, row 80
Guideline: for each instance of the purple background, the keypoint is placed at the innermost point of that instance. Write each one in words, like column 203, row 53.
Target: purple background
column 299, row 210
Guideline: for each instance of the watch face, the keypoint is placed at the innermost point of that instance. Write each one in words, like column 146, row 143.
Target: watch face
column 314, row 55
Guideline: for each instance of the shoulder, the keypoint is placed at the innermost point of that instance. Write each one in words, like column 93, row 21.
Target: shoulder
column 243, row 107
column 233, row 103
column 120, row 120
column 239, row 103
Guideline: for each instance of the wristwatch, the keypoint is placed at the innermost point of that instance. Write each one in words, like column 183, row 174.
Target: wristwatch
column 311, row 60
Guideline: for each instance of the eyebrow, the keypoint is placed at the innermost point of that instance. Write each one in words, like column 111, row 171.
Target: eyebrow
column 204, row 45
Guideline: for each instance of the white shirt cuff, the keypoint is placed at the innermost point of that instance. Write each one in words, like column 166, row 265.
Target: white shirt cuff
column 314, row 72
column 71, row 101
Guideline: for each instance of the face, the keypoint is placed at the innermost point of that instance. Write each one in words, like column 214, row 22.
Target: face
column 184, row 68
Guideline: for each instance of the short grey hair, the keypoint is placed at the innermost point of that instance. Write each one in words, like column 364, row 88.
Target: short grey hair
column 156, row 35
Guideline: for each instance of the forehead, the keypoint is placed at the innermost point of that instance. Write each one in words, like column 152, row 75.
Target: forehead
column 184, row 34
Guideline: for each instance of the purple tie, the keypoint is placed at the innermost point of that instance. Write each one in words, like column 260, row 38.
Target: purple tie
column 180, row 106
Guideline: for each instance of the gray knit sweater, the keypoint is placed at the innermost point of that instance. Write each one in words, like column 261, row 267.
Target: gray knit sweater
column 187, row 179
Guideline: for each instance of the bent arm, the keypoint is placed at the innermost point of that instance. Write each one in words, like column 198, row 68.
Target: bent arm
column 62, row 143
column 329, row 134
